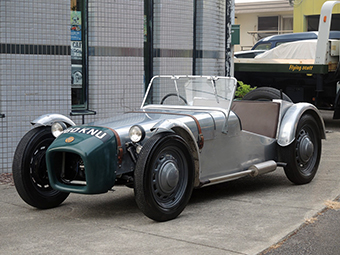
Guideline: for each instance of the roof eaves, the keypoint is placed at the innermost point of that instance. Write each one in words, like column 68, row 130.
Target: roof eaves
column 258, row 7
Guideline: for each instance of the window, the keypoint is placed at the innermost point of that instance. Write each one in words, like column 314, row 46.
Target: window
column 313, row 22
column 287, row 23
column 272, row 25
column 263, row 46
column 78, row 61
column 268, row 23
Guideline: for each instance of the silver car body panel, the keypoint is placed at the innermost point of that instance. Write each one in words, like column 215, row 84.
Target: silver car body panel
column 243, row 150
column 49, row 119
column 290, row 121
column 222, row 152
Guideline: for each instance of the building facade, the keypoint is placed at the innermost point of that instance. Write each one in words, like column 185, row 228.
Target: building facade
column 307, row 12
column 258, row 19
column 91, row 59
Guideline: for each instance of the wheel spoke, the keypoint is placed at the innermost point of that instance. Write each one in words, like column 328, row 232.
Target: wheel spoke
column 38, row 168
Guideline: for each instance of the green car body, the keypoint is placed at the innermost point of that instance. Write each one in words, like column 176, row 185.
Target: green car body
column 97, row 149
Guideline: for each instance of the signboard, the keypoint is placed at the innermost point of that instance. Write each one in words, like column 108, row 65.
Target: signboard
column 75, row 26
column 76, row 76
column 76, row 50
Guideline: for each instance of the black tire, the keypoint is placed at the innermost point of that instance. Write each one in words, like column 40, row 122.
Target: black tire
column 303, row 155
column 164, row 177
column 30, row 172
column 266, row 94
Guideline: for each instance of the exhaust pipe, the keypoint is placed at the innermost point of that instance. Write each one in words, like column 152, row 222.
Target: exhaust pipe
column 262, row 168
column 253, row 171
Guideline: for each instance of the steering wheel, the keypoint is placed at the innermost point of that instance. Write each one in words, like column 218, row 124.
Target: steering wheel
column 173, row 95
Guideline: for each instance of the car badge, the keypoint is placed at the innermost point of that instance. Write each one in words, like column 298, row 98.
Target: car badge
column 69, row 139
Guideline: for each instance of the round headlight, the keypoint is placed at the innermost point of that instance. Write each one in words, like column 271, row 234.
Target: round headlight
column 57, row 128
column 136, row 133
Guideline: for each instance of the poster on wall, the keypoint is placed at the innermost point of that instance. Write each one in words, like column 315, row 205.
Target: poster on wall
column 75, row 26
column 77, row 76
column 76, row 50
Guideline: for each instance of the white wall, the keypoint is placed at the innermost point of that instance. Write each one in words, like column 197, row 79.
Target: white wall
column 248, row 22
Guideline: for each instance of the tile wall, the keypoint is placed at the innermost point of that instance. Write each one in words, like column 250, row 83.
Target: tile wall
column 35, row 61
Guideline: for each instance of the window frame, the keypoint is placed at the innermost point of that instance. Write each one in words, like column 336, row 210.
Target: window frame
column 83, row 108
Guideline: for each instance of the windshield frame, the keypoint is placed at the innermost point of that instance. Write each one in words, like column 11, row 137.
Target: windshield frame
column 209, row 105
column 229, row 84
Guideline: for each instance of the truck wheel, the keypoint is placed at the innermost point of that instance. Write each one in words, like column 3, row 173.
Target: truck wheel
column 164, row 177
column 30, row 172
column 303, row 155
column 265, row 94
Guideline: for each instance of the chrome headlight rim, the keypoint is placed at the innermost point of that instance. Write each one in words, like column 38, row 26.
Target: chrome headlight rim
column 136, row 133
column 58, row 128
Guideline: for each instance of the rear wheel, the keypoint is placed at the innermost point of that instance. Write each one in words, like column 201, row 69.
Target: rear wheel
column 266, row 94
column 30, row 171
column 164, row 177
column 303, row 155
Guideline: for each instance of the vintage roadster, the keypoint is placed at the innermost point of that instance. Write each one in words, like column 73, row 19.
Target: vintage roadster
column 188, row 133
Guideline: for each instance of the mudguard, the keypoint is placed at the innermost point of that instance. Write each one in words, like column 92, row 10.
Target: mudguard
column 49, row 119
column 182, row 130
column 291, row 119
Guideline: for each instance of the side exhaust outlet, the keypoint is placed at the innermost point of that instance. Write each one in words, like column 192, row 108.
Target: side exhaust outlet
column 263, row 168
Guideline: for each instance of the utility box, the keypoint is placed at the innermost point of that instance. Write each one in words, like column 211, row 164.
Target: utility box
column 235, row 34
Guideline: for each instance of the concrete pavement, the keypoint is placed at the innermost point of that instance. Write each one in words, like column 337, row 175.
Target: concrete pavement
column 319, row 235
column 245, row 216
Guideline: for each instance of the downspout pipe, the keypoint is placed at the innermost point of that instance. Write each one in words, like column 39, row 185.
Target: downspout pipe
column 229, row 52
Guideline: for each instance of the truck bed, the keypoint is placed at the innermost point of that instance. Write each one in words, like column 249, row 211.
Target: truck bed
column 305, row 66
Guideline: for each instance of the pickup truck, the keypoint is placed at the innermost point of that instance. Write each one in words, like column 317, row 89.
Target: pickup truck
column 314, row 78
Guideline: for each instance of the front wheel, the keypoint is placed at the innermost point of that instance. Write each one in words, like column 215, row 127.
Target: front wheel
column 30, row 171
column 303, row 155
column 164, row 177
